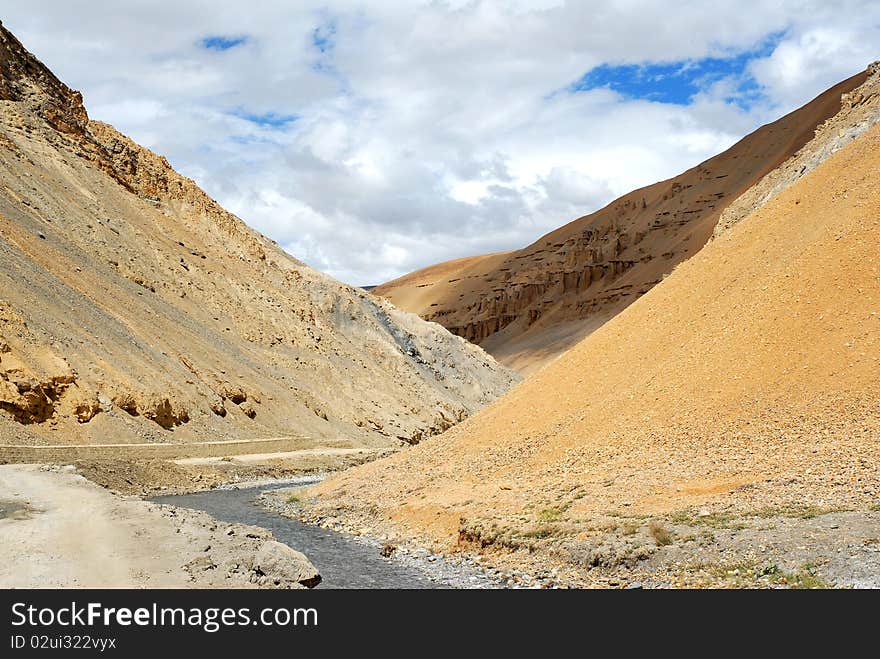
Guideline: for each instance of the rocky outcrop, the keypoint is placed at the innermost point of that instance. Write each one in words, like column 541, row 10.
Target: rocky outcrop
column 578, row 272
column 25, row 79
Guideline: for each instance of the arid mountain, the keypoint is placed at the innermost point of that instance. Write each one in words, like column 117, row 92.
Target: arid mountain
column 528, row 306
column 134, row 308
column 748, row 380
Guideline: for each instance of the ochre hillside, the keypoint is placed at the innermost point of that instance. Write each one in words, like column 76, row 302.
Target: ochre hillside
column 134, row 308
column 526, row 307
column 747, row 380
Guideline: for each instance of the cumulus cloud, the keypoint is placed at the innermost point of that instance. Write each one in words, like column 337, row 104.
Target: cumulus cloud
column 370, row 139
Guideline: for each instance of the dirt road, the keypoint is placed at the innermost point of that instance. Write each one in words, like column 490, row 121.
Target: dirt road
column 59, row 530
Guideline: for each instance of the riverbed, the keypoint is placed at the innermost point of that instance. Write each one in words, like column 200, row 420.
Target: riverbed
column 344, row 561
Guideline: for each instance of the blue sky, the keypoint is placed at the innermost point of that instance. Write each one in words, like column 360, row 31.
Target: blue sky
column 323, row 36
column 679, row 82
column 267, row 119
column 222, row 42
column 371, row 139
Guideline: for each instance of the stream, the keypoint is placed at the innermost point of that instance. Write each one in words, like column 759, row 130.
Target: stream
column 342, row 560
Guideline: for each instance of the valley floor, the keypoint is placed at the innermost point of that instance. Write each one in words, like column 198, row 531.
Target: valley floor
column 59, row 529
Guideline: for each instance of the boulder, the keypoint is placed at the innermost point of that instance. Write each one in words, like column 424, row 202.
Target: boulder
column 282, row 564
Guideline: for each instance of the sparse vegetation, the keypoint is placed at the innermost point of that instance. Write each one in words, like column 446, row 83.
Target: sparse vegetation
column 629, row 528
column 804, row 579
column 794, row 510
column 541, row 532
column 737, row 521
column 550, row 514
column 715, row 520
column 660, row 534
column 749, row 574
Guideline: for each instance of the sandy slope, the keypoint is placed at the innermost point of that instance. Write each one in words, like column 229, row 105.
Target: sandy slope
column 748, row 380
column 528, row 306
column 134, row 308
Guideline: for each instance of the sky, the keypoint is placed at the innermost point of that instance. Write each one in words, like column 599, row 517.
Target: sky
column 374, row 138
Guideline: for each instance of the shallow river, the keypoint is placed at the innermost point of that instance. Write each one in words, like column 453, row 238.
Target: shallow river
column 342, row 561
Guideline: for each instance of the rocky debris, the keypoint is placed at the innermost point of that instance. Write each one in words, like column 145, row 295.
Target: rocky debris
column 30, row 401
column 446, row 570
column 217, row 407
column 248, row 408
column 126, row 402
column 87, row 410
column 165, row 414
column 796, row 547
column 240, row 555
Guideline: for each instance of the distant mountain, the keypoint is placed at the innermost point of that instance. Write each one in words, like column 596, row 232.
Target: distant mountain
column 528, row 306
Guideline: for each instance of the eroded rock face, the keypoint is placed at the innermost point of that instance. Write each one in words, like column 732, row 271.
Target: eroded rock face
column 25, row 79
column 33, row 382
column 29, row 401
column 175, row 316
column 578, row 272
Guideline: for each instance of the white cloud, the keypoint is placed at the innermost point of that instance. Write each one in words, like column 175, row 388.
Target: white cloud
column 427, row 131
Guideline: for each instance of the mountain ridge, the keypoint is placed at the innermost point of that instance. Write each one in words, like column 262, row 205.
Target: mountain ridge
column 134, row 308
